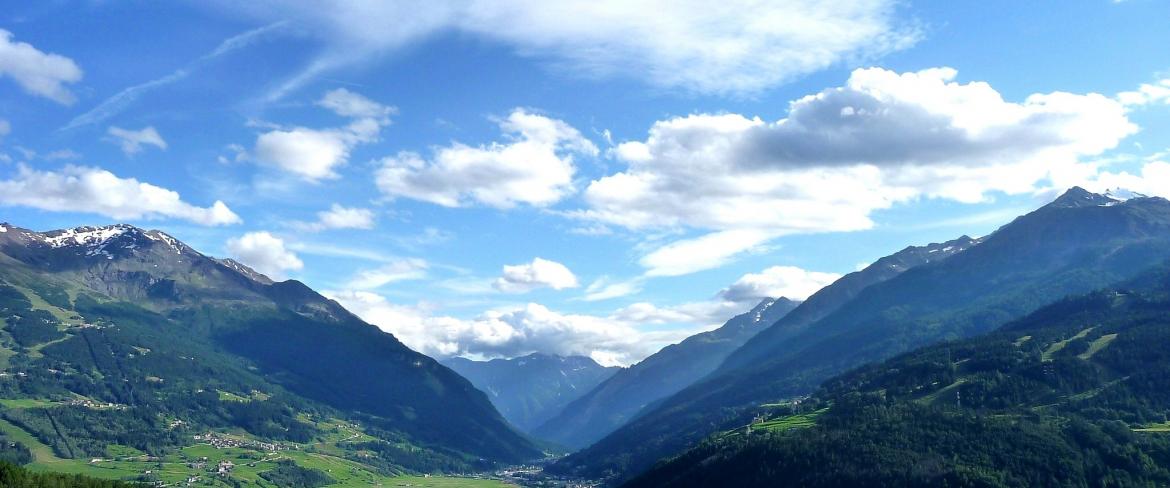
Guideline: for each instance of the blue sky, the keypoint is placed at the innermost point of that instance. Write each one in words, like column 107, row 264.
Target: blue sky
column 600, row 178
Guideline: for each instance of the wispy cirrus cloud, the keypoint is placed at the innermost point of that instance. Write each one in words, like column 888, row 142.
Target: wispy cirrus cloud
column 122, row 100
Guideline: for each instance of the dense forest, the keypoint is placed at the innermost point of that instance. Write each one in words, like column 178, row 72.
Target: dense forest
column 1075, row 394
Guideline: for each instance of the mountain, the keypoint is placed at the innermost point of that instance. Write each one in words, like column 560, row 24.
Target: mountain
column 1074, row 394
column 120, row 336
column 622, row 396
column 531, row 389
column 1079, row 242
column 828, row 299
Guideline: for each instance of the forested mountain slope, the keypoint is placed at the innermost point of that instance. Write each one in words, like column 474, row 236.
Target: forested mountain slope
column 620, row 398
column 1079, row 242
column 119, row 336
column 1075, row 394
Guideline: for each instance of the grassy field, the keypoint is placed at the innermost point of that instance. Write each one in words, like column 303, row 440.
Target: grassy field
column 125, row 462
column 1097, row 345
column 1162, row 427
column 791, row 422
column 1057, row 346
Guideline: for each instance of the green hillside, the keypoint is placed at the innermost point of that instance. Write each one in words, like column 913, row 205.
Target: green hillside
column 210, row 362
column 1075, row 394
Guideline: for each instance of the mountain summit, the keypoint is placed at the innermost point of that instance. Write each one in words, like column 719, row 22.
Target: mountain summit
column 1078, row 243
column 123, row 299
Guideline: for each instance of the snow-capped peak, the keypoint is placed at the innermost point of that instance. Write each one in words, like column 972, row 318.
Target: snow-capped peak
column 86, row 236
column 3, row 227
column 1122, row 194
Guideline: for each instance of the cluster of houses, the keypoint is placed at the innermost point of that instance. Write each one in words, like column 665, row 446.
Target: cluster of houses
column 223, row 442
column 90, row 404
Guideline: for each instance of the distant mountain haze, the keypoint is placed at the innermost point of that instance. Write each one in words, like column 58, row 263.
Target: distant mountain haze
column 621, row 397
column 529, row 390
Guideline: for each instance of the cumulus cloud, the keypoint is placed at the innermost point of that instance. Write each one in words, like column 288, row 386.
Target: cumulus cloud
column 314, row 154
column 777, row 281
column 625, row 336
column 38, row 73
column 880, row 139
column 1152, row 179
column 741, row 47
column 94, row 190
column 391, row 272
column 131, row 141
column 339, row 217
column 540, row 273
column 534, row 166
column 265, row 253
column 510, row 332
column 1147, row 94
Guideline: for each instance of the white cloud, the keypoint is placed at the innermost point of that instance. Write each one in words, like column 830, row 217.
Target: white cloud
column 778, row 281
column 314, row 154
column 540, row 273
column 605, row 289
column 131, row 141
column 510, row 332
column 705, row 252
column 94, row 190
column 535, row 167
column 339, row 217
column 125, row 98
column 741, row 47
column 349, row 104
column 265, row 253
column 881, row 139
column 625, row 336
column 38, row 73
column 1153, row 179
column 394, row 271
column 1147, row 94
column 5, row 127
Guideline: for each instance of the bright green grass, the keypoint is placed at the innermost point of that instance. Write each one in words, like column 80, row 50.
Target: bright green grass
column 1097, row 345
column 39, row 303
column 801, row 421
column 24, row 403
column 1019, row 342
column 1057, row 346
column 1162, row 427
column 174, row 468
column 227, row 396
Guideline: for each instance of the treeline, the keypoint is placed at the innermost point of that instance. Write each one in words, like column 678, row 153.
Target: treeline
column 1055, row 399
column 287, row 474
column 13, row 476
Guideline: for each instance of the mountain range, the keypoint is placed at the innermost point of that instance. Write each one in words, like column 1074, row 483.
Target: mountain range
column 127, row 337
column 1073, row 394
column 1079, row 242
column 1030, row 356
column 620, row 398
column 529, row 390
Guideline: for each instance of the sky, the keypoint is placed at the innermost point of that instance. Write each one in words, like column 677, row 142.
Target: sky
column 600, row 178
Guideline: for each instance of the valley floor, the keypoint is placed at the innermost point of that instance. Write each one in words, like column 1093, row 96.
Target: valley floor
column 199, row 464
